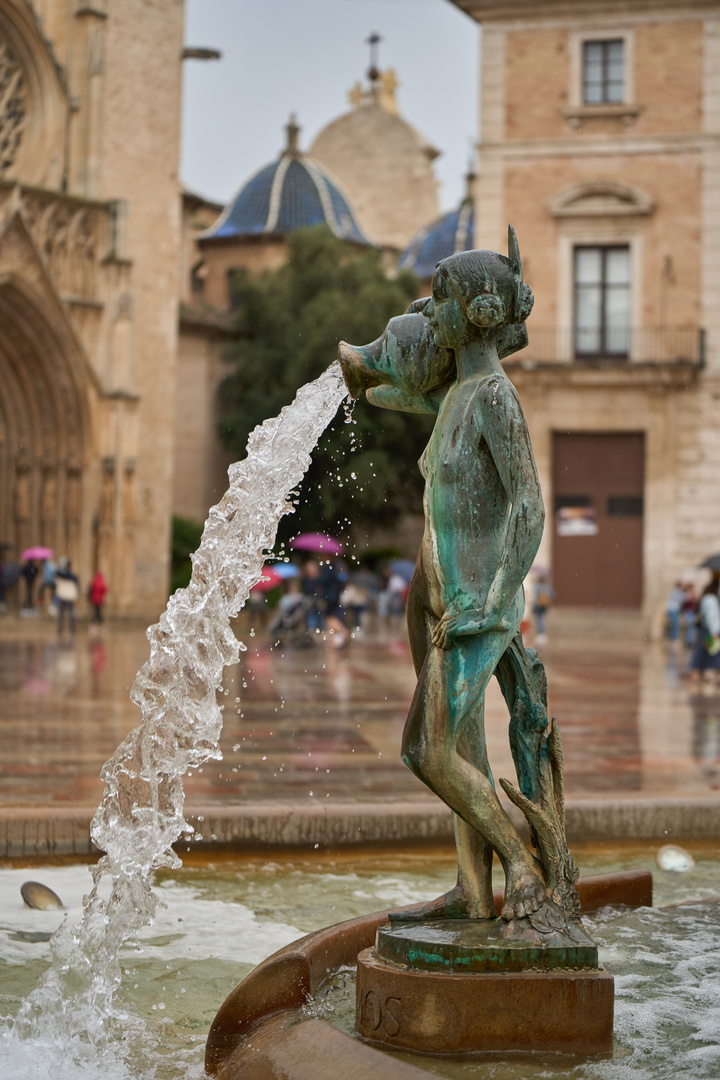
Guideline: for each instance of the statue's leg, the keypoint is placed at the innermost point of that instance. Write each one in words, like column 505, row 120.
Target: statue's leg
column 448, row 698
column 472, row 895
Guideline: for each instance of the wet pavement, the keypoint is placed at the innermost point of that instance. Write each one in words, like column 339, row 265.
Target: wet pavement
column 322, row 724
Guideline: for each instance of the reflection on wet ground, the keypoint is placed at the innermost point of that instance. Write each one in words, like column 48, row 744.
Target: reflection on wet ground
column 319, row 723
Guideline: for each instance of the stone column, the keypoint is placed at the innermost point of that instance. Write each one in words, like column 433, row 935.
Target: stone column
column 48, row 506
column 22, row 508
column 73, row 507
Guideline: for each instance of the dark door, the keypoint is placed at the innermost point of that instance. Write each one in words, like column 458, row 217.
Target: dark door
column 598, row 483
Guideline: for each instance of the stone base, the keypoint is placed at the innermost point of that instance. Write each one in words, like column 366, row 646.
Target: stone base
column 440, row 1013
column 482, row 945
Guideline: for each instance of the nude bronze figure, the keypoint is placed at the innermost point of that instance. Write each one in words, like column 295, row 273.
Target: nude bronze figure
column 483, row 524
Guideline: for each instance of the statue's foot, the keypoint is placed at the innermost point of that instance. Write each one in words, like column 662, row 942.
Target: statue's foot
column 451, row 905
column 549, row 925
column 525, row 891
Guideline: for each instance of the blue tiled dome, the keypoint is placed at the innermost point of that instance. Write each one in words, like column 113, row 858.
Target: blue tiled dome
column 445, row 236
column 292, row 192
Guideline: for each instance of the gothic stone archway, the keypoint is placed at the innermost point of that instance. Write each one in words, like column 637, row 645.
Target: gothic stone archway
column 44, row 426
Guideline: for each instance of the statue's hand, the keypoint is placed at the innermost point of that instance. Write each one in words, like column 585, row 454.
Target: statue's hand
column 454, row 624
column 472, row 621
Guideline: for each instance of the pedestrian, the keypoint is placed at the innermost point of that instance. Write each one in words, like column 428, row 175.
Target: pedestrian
column 354, row 599
column 332, row 580
column 67, row 591
column 706, row 656
column 47, row 580
column 393, row 598
column 325, row 582
column 30, row 572
column 673, row 607
column 689, row 614
column 96, row 595
column 544, row 596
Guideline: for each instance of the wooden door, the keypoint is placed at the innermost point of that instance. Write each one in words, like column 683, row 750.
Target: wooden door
column 598, row 482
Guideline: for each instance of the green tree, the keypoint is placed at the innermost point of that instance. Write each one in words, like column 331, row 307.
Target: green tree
column 186, row 537
column 290, row 322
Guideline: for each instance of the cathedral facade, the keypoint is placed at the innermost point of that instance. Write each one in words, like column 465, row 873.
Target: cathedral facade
column 89, row 257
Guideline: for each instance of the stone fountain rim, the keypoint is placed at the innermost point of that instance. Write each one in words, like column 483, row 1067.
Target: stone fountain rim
column 49, row 831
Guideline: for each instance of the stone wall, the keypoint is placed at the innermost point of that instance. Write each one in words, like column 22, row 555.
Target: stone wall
column 139, row 155
column 221, row 257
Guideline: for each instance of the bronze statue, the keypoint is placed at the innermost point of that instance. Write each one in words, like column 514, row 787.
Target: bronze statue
column 483, row 524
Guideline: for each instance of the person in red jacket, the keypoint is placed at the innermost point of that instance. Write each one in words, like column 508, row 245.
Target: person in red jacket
column 98, row 591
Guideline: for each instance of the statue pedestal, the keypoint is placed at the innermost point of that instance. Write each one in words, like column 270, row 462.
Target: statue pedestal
column 459, row 987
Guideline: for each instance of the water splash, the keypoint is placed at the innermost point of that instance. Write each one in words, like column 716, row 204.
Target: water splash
column 141, row 814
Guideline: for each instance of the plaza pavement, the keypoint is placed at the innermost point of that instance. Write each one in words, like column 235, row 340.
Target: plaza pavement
column 311, row 740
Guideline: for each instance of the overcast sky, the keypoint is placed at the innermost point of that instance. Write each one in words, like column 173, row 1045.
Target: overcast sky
column 283, row 56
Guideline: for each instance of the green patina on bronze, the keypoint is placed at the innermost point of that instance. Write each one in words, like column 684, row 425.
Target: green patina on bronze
column 484, row 519
column 478, row 945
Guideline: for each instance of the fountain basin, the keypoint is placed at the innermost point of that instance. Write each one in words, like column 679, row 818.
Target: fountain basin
column 285, row 981
column 226, row 912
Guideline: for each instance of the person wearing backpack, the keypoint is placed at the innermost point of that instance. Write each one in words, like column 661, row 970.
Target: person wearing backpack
column 67, row 591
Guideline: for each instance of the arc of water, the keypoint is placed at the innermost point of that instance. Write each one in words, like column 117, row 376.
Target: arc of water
column 141, row 814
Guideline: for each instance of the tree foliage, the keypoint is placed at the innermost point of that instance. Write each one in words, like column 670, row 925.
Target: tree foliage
column 186, row 537
column 290, row 322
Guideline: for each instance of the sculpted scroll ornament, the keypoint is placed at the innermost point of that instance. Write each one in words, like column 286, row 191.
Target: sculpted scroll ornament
column 13, row 106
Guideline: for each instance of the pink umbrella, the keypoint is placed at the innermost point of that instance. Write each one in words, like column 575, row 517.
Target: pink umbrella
column 272, row 579
column 317, row 542
column 37, row 553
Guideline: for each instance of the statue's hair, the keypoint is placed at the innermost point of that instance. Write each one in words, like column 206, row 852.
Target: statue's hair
column 474, row 274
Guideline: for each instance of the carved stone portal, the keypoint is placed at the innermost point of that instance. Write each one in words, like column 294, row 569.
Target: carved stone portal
column 13, row 106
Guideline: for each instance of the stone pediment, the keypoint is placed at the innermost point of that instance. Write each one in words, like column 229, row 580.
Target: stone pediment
column 600, row 198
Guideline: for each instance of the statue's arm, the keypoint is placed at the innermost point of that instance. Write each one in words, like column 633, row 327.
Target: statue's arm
column 499, row 420
column 391, row 397
column 504, row 429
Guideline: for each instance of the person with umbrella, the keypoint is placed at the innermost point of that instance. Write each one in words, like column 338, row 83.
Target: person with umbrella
column 29, row 571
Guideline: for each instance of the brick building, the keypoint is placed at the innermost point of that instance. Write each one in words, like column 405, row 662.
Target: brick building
column 600, row 142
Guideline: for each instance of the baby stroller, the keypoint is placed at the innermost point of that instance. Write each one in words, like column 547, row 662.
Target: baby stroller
column 289, row 628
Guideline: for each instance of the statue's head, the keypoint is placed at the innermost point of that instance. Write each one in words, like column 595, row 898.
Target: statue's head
column 476, row 293
column 406, row 356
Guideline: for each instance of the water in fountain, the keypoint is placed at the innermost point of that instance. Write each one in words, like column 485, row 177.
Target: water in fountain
column 141, row 814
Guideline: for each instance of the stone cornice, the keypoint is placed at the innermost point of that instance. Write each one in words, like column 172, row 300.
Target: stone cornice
column 208, row 321
column 524, row 373
column 574, row 145
column 499, row 11
column 54, row 193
